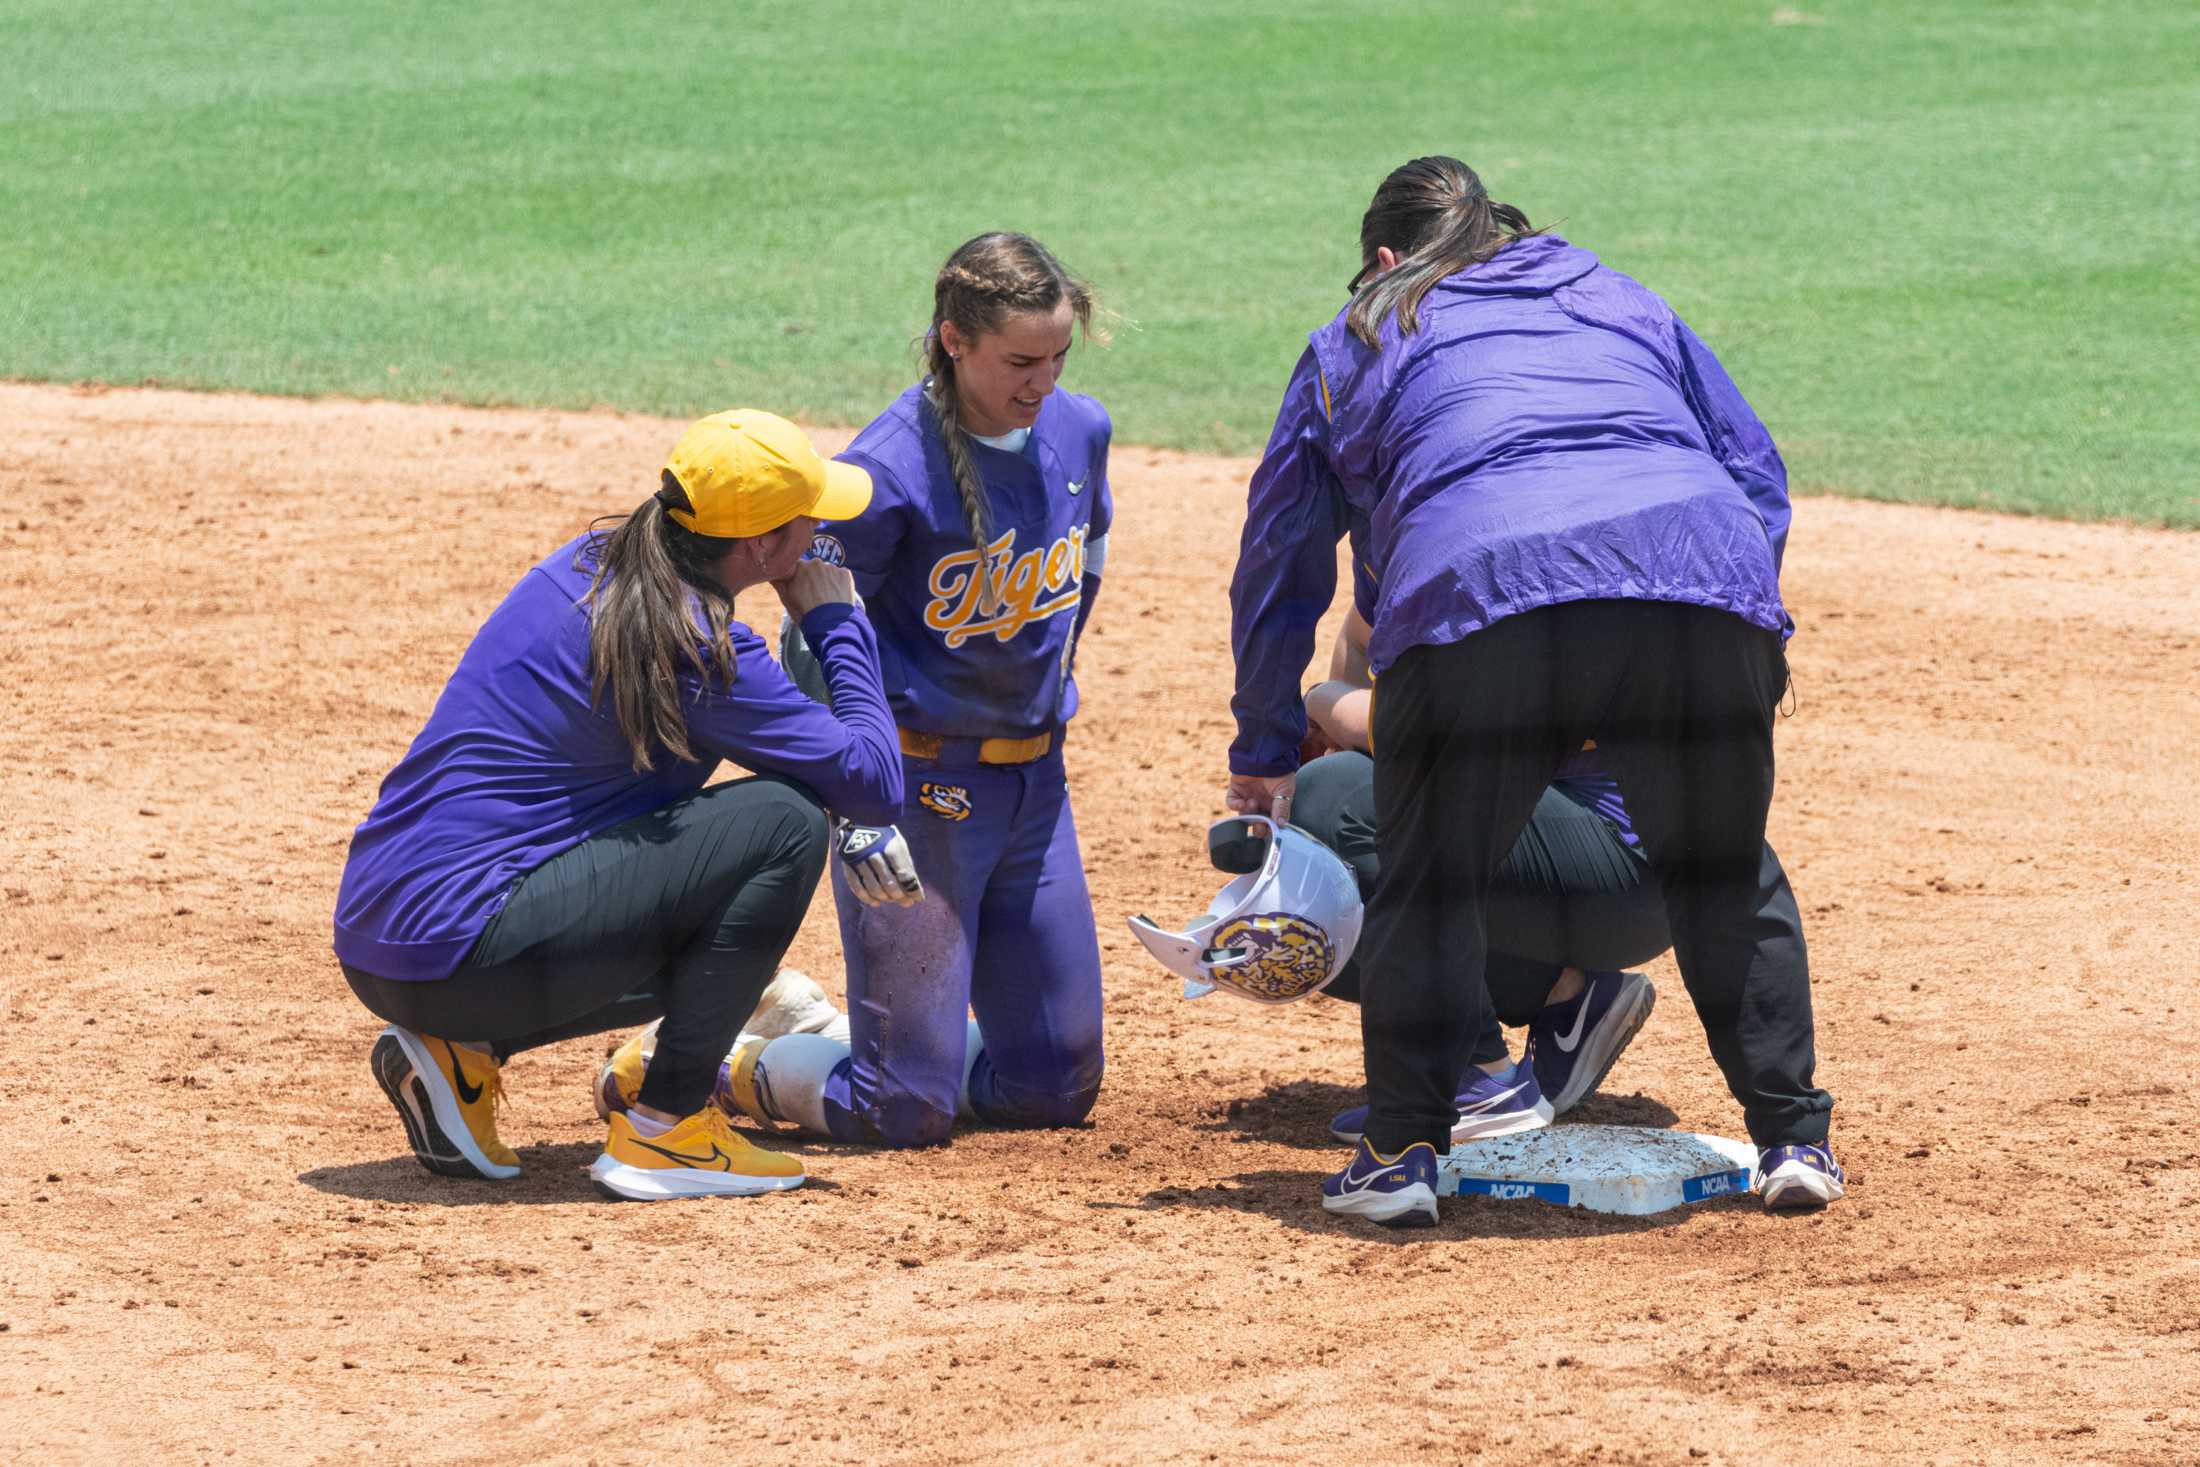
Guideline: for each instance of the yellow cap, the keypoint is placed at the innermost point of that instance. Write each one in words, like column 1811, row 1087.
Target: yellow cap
column 745, row 472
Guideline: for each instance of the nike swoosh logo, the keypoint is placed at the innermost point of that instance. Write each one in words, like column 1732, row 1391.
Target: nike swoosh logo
column 1494, row 1101
column 1361, row 1184
column 717, row 1161
column 467, row 1092
column 1566, row 1042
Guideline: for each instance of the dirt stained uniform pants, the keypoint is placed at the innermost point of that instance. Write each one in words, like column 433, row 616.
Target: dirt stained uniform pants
column 1680, row 701
column 1005, row 930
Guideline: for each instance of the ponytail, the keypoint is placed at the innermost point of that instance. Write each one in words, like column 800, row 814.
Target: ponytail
column 651, row 575
column 985, row 281
column 1435, row 213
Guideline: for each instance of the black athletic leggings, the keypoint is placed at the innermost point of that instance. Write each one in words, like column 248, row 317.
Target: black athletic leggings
column 1467, row 735
column 681, row 914
column 1571, row 893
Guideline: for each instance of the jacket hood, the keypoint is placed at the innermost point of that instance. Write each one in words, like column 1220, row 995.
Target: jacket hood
column 1537, row 265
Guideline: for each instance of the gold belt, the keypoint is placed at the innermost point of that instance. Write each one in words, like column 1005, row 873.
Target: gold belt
column 990, row 751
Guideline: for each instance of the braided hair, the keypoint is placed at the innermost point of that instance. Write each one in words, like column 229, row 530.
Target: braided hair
column 985, row 281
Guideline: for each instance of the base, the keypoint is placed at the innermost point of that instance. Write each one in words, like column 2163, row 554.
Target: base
column 1624, row 1169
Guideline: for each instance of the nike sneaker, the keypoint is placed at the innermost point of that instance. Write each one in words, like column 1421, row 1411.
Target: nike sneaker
column 619, row 1082
column 699, row 1157
column 1397, row 1191
column 1573, row 1045
column 737, row 1093
column 1489, row 1105
column 447, row 1097
column 793, row 1003
column 1793, row 1178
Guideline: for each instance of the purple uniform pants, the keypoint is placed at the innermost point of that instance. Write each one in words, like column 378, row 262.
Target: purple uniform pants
column 1005, row 929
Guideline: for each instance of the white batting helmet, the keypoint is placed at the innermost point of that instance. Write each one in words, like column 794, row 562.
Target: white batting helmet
column 1272, row 935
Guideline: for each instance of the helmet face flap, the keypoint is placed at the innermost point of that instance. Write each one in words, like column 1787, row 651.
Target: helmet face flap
column 1272, row 935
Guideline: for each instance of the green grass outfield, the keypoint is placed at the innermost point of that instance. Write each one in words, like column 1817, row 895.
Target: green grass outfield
column 1948, row 250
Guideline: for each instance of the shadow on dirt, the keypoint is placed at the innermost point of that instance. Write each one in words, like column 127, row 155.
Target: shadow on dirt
column 1297, row 1113
column 550, row 1173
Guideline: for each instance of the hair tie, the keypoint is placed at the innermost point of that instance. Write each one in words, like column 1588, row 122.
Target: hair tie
column 672, row 494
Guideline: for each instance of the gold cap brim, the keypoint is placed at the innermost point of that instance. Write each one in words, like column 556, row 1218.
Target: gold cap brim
column 847, row 492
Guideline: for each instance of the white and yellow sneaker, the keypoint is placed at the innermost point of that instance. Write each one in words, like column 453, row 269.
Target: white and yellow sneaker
column 447, row 1097
column 699, row 1157
column 619, row 1082
column 794, row 1003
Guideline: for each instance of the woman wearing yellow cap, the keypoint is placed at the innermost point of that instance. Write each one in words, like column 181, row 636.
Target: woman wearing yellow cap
column 547, row 862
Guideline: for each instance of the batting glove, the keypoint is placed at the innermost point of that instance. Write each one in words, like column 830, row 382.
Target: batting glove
column 877, row 864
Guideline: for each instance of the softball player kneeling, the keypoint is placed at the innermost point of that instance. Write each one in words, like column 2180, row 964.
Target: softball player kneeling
column 978, row 559
column 546, row 861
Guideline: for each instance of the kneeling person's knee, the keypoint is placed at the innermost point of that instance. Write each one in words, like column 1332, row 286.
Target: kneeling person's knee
column 1067, row 1101
column 906, row 1121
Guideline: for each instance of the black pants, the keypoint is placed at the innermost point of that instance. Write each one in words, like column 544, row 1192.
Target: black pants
column 681, row 914
column 1571, row 893
column 1680, row 700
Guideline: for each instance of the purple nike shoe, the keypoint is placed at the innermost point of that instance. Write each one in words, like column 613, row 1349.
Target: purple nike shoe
column 1489, row 1105
column 1791, row 1178
column 1396, row 1191
column 1573, row 1045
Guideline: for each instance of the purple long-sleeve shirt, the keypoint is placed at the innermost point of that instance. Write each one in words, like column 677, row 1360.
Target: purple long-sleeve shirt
column 516, row 765
column 1551, row 433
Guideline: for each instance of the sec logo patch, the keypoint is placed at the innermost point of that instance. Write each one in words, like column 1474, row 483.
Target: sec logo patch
column 948, row 801
column 827, row 549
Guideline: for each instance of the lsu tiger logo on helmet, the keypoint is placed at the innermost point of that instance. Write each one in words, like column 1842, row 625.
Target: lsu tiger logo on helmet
column 948, row 801
column 1286, row 957
column 1278, row 932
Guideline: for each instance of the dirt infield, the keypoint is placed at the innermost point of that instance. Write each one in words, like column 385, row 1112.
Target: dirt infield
column 225, row 618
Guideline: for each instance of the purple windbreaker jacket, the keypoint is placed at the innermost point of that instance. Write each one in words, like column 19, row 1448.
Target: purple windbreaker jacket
column 517, row 763
column 1551, row 433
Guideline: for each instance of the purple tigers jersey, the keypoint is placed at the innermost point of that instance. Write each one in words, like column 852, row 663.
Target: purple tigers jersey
column 950, row 669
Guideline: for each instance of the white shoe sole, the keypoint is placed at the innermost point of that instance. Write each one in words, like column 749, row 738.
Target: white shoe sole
column 1505, row 1123
column 1481, row 1128
column 1603, row 1046
column 1793, row 1185
column 1391, row 1209
column 652, row 1184
column 427, row 1080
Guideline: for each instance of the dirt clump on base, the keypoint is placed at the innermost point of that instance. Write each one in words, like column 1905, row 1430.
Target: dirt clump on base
column 227, row 617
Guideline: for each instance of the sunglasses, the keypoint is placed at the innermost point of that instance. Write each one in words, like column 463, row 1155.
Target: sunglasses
column 1352, row 288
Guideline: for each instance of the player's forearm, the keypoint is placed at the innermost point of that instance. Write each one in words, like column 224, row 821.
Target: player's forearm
column 865, row 778
column 1341, row 710
column 1348, row 657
